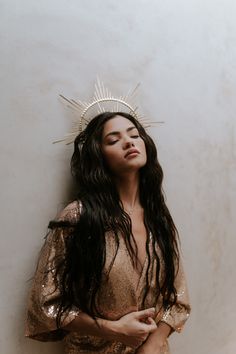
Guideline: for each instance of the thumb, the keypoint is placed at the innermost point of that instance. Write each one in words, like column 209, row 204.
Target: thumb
column 141, row 315
column 150, row 320
column 149, row 324
column 152, row 326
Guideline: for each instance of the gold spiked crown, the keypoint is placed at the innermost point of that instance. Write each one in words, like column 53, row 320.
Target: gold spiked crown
column 103, row 101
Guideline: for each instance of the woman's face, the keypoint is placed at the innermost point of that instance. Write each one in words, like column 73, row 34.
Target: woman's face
column 123, row 148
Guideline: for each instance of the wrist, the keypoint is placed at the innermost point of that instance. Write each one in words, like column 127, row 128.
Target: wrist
column 156, row 340
column 164, row 329
column 159, row 336
column 109, row 328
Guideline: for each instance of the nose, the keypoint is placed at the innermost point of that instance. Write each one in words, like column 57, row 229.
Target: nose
column 128, row 143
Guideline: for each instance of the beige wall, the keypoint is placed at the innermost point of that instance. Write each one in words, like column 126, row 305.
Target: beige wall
column 184, row 54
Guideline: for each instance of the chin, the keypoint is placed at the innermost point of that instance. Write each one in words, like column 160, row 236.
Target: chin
column 136, row 166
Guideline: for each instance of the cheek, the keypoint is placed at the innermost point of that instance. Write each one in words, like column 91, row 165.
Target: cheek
column 143, row 149
column 111, row 157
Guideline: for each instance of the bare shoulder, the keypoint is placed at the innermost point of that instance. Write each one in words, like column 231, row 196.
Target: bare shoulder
column 71, row 212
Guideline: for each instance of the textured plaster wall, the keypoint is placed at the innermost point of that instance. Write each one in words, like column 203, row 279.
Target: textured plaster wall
column 184, row 54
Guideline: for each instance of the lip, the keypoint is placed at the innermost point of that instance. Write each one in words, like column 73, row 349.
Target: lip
column 132, row 151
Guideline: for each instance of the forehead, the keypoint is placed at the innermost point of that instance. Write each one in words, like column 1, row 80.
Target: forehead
column 117, row 124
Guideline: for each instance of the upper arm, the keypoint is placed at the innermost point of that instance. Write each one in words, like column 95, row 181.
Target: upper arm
column 45, row 294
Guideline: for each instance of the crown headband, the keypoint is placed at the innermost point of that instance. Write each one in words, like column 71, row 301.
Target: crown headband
column 103, row 101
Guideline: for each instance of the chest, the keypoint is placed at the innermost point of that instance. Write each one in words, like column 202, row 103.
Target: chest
column 140, row 236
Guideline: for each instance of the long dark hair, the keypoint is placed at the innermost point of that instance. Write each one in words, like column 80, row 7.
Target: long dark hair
column 101, row 211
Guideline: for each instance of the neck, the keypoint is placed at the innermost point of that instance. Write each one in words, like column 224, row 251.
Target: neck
column 128, row 189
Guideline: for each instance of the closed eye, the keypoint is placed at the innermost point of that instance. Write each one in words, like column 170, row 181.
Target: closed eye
column 112, row 142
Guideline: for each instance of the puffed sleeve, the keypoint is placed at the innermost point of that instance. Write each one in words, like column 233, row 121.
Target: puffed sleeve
column 44, row 297
column 176, row 316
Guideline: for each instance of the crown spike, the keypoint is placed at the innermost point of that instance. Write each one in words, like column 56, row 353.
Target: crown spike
column 97, row 98
column 134, row 92
column 78, row 103
column 99, row 88
column 103, row 90
column 97, row 91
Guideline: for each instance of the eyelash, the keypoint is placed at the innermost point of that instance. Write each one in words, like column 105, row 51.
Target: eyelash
column 132, row 136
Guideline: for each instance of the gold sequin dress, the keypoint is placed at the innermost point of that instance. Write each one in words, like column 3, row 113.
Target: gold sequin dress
column 121, row 294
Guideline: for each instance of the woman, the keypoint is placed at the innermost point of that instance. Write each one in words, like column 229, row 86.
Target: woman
column 109, row 278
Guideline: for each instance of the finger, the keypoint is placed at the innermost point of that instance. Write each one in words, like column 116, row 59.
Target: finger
column 145, row 313
column 150, row 327
column 149, row 320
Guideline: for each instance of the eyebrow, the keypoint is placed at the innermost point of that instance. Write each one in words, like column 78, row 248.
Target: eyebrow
column 117, row 132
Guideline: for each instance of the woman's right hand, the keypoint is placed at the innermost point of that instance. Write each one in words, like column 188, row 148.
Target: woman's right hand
column 134, row 328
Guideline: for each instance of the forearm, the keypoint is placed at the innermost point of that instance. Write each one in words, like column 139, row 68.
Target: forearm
column 86, row 325
column 131, row 329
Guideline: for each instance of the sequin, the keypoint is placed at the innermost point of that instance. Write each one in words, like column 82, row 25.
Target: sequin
column 180, row 293
column 120, row 294
column 52, row 310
